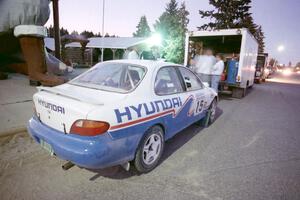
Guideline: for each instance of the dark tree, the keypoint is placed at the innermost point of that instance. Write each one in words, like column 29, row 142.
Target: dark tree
column 232, row 14
column 143, row 29
column 62, row 31
column 87, row 34
column 172, row 25
column 50, row 31
column 259, row 35
column 74, row 33
column 183, row 16
column 249, row 23
column 227, row 14
column 98, row 35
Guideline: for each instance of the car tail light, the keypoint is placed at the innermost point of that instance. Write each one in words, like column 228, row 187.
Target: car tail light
column 89, row 127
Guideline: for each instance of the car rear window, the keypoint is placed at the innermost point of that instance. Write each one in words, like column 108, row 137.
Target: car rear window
column 115, row 77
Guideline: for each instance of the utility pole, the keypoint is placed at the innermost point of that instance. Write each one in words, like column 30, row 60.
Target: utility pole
column 56, row 28
column 103, row 8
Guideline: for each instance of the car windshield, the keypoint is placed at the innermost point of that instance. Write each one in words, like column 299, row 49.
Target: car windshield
column 115, row 77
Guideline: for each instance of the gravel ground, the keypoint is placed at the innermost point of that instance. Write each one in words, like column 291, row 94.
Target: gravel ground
column 252, row 151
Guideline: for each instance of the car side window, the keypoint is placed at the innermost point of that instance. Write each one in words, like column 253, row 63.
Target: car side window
column 192, row 82
column 167, row 82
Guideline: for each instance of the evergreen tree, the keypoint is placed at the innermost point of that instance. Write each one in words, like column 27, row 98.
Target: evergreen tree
column 232, row 14
column 50, row 31
column 63, row 31
column 249, row 23
column 183, row 16
column 172, row 25
column 74, row 33
column 259, row 35
column 227, row 14
column 87, row 34
column 143, row 29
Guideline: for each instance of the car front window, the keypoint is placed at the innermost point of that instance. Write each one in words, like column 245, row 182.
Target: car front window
column 115, row 77
column 192, row 82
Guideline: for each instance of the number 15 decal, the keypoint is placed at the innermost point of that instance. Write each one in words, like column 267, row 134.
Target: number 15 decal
column 200, row 105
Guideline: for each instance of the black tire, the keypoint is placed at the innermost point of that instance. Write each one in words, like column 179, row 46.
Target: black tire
column 238, row 92
column 213, row 111
column 139, row 161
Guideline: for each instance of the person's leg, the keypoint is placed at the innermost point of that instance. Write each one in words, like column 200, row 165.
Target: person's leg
column 215, row 82
column 206, row 78
column 209, row 79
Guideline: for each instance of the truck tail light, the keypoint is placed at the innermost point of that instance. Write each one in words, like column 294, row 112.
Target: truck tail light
column 89, row 127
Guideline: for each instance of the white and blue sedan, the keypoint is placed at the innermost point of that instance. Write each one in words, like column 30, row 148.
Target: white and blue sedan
column 119, row 112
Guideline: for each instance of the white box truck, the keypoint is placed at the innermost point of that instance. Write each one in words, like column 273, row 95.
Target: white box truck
column 240, row 50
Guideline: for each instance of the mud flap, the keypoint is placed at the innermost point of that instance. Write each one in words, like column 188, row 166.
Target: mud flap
column 205, row 120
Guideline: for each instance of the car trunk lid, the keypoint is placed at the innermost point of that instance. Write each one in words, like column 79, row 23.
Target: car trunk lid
column 59, row 107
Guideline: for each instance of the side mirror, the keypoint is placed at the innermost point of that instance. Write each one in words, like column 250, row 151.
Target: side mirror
column 187, row 82
column 206, row 84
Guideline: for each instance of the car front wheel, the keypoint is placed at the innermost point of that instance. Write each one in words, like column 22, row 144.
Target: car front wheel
column 213, row 110
column 150, row 150
column 210, row 115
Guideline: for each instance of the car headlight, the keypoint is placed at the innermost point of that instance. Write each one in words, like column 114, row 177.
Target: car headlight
column 286, row 72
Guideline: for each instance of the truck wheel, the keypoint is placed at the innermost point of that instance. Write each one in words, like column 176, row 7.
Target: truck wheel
column 150, row 150
column 238, row 92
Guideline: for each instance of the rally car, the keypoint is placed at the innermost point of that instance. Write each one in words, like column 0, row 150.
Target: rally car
column 119, row 112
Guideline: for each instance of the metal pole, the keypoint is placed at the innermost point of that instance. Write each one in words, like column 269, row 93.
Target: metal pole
column 56, row 28
column 103, row 8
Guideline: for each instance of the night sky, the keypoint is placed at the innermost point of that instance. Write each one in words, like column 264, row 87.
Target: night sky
column 279, row 19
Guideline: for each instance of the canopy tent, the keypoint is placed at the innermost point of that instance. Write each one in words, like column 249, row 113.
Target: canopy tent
column 49, row 43
column 98, row 42
column 110, row 42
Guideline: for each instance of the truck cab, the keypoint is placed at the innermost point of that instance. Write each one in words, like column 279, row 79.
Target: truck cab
column 261, row 70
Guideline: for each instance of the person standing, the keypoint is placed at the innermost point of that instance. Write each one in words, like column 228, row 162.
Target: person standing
column 204, row 64
column 216, row 72
column 133, row 54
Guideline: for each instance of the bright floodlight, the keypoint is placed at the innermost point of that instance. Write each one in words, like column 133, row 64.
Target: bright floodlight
column 155, row 40
column 280, row 48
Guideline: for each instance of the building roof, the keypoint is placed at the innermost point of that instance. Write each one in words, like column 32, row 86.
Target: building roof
column 110, row 42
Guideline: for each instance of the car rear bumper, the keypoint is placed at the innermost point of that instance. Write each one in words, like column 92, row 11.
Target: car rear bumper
column 89, row 152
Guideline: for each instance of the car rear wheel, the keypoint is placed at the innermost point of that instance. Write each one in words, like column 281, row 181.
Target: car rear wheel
column 150, row 150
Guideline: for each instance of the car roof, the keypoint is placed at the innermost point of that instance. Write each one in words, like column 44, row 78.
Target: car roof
column 149, row 64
